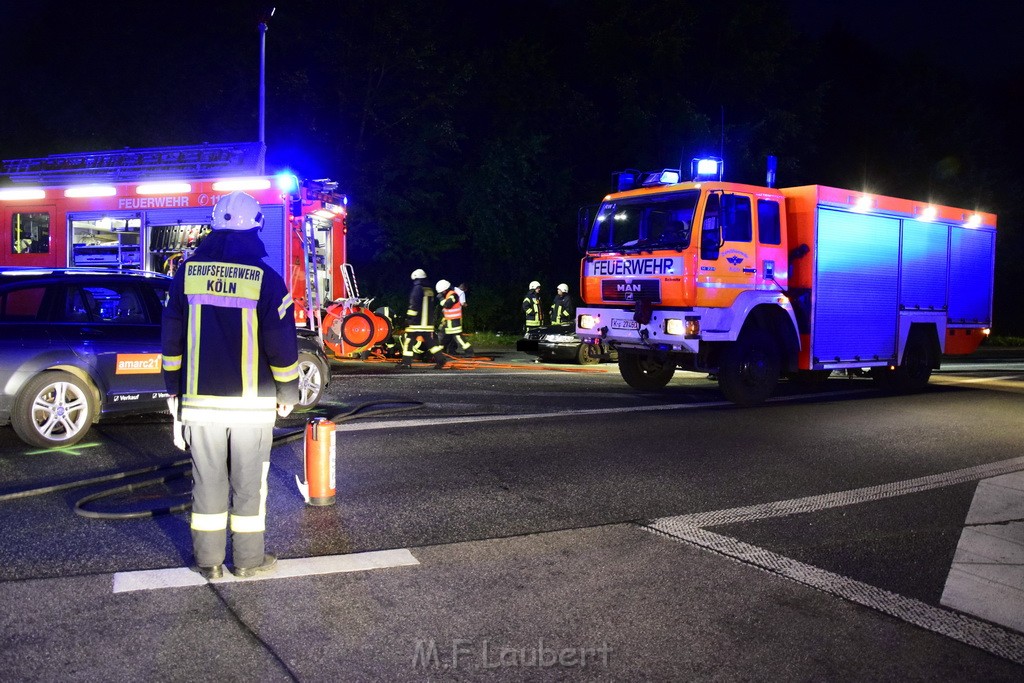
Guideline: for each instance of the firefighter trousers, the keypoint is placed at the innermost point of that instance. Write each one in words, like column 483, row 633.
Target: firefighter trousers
column 229, row 474
column 452, row 342
column 416, row 342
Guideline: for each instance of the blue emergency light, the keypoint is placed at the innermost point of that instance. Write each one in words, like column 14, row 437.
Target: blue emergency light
column 706, row 168
column 286, row 182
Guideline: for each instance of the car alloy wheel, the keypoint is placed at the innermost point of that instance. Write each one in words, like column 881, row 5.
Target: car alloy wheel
column 53, row 409
column 311, row 381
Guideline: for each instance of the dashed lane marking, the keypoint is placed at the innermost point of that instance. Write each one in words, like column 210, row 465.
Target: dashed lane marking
column 692, row 529
column 154, row 579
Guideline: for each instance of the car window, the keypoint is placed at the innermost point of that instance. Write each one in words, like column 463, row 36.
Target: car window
column 21, row 305
column 162, row 291
column 117, row 303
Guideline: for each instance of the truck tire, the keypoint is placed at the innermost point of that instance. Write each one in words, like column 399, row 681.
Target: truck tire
column 54, row 408
column 644, row 371
column 588, row 354
column 916, row 369
column 312, row 381
column 749, row 369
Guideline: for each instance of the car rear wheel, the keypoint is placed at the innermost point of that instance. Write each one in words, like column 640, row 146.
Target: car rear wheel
column 53, row 409
column 312, row 381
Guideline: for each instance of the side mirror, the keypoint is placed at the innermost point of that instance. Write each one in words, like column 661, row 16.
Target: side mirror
column 584, row 219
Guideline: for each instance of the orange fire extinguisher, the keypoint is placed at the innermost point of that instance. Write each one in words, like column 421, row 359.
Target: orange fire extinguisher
column 320, row 456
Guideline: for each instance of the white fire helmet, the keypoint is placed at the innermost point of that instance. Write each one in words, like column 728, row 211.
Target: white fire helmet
column 237, row 211
column 534, row 284
column 443, row 286
column 563, row 288
column 419, row 274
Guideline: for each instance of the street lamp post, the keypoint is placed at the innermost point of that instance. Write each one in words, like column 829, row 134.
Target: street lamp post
column 263, row 86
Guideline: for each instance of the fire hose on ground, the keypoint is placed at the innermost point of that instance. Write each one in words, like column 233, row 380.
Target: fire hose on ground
column 182, row 468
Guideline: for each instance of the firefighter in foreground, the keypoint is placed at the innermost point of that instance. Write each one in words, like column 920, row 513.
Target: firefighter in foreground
column 230, row 354
column 420, row 321
column 531, row 307
column 451, row 327
column 562, row 308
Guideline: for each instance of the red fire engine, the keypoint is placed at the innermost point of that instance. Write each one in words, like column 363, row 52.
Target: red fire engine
column 749, row 283
column 147, row 209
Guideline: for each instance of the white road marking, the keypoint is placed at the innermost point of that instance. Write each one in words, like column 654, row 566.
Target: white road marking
column 153, row 579
column 963, row 628
column 986, row 578
column 827, row 501
column 693, row 529
column 947, row 379
column 443, row 421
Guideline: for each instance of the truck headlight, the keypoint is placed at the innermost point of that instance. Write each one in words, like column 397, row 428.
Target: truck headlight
column 589, row 322
column 673, row 326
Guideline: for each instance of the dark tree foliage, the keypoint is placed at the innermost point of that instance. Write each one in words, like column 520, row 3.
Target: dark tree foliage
column 468, row 134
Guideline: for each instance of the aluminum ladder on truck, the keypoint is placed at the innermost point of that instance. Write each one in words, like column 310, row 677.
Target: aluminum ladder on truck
column 348, row 277
column 312, row 288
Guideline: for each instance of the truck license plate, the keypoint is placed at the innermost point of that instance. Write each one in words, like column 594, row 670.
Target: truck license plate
column 621, row 324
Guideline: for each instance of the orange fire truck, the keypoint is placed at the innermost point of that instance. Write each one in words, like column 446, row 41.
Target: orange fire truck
column 752, row 283
column 147, row 209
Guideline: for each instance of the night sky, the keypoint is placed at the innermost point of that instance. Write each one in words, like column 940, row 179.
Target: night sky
column 468, row 136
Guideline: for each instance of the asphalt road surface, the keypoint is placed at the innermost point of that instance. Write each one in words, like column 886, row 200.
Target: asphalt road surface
column 535, row 521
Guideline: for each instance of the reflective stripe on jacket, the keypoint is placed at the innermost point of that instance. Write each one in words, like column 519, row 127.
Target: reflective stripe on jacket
column 422, row 312
column 562, row 309
column 452, row 306
column 228, row 339
column 531, row 306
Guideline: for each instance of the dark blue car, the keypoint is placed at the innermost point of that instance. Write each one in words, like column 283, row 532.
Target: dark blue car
column 79, row 344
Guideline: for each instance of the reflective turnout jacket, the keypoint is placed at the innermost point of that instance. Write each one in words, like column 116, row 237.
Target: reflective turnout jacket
column 452, row 310
column 421, row 315
column 562, row 310
column 531, row 307
column 228, row 334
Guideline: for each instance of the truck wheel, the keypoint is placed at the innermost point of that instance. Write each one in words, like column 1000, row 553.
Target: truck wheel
column 588, row 354
column 644, row 371
column 749, row 369
column 53, row 409
column 312, row 381
column 916, row 369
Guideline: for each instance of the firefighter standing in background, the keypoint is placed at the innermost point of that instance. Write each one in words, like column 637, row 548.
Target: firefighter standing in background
column 230, row 353
column 419, row 328
column 562, row 308
column 451, row 327
column 531, row 307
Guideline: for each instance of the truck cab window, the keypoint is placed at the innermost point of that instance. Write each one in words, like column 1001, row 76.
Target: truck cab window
column 769, row 229
column 643, row 223
column 710, row 229
column 30, row 233
column 736, row 221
